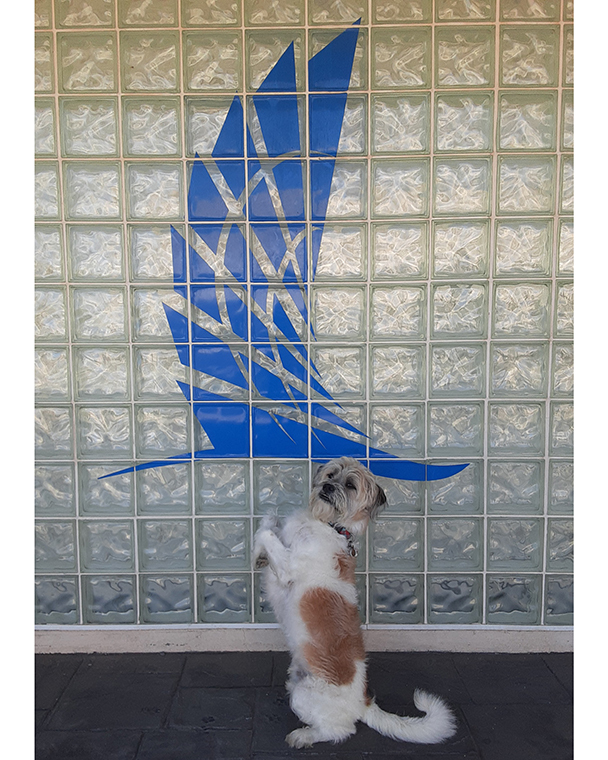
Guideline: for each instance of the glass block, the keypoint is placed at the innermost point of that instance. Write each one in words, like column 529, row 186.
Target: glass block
column 49, row 314
column 529, row 56
column 211, row 12
column 286, row 13
column 280, row 488
column 56, row 600
column 564, row 310
column 43, row 63
column 567, row 142
column 101, row 374
column 523, row 10
column 397, row 313
column 44, row 128
column 212, row 61
column 560, row 542
column 513, row 600
column 462, row 186
column 457, row 371
column 48, row 242
column 162, row 431
column 460, row 249
column 165, row 545
column 565, row 256
column 106, row 546
column 146, row 13
column 519, row 370
column 398, row 430
column 515, row 544
column 398, row 371
column 342, row 254
column 108, row 599
column 400, row 123
column 262, row 609
column 561, row 487
column 455, row 544
column 354, row 415
column 515, row 488
column 390, row 11
column 353, row 137
column 522, row 310
column 454, row 599
column 523, row 248
column 400, row 187
column 104, row 432
column 459, row 311
column 401, row 58
column 348, row 193
column 224, row 598
column 42, row 14
column 319, row 39
column 528, row 121
column 264, row 48
column 461, row 494
column 149, row 61
column 399, row 251
column 561, row 440
column 396, row 544
column 53, row 432
column 403, row 496
column 568, row 75
column 464, row 56
column 204, row 121
column 89, row 127
column 95, row 253
column 51, row 380
column 151, row 127
column 157, row 371
column 92, row 190
column 339, row 313
column 150, row 249
column 342, row 370
column 526, row 185
column 54, row 490
column 517, row 429
column 55, row 549
column 465, row 10
column 568, row 10
column 103, row 496
column 559, row 600
column 464, row 122
column 166, row 599
column 164, row 490
column 207, row 382
column 222, row 544
column 566, row 203
column 87, row 62
column 46, row 191
column 455, row 429
column 328, row 11
column 75, row 13
column 154, row 191
column 562, row 375
column 222, row 488
column 396, row 599
column 98, row 314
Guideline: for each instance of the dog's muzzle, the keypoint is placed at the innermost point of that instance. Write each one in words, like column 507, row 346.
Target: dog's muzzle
column 327, row 492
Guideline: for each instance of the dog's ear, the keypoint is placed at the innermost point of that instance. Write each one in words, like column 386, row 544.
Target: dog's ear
column 379, row 502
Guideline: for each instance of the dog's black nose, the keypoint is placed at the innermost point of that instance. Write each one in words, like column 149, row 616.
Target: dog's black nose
column 328, row 488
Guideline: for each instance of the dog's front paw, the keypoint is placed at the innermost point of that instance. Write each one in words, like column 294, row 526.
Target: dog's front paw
column 261, row 561
column 300, row 738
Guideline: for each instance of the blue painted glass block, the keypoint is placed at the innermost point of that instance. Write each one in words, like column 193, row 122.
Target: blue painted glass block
column 515, row 544
column 224, row 598
column 464, row 56
column 55, row 490
column 222, row 488
column 455, row 429
column 559, row 600
column 57, row 600
column 223, row 430
column 331, row 72
column 106, row 546
column 55, row 549
column 280, row 488
column 53, row 432
column 279, row 431
column 454, row 599
column 274, row 59
column 51, row 375
column 48, row 241
column 276, row 125
column 513, row 600
column 222, row 544
column 166, row 599
column 561, row 487
column 457, row 370
column 164, row 490
column 517, row 429
column 516, row 488
column 150, row 252
column 560, row 539
column 165, row 545
column 101, row 496
column 396, row 544
column 108, row 599
column 352, row 422
column 209, row 117
column 455, row 544
column 104, row 432
column 396, row 599
column 462, row 494
column 279, row 253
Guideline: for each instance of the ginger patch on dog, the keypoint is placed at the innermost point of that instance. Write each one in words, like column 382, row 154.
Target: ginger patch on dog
column 346, row 568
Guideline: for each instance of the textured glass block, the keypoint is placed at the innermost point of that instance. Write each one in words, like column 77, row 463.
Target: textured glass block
column 524, row 10
column 46, row 191
column 339, row 313
column 522, row 310
column 560, row 541
column 87, row 62
column 222, row 488
column 561, row 487
column 204, row 121
column 523, row 248
column 151, row 251
column 562, row 375
column 396, row 599
column 342, row 370
column 162, row 431
column 461, row 494
column 212, row 61
column 166, row 599
column 515, row 488
column 280, row 488
column 348, row 194
column 51, row 381
column 459, row 311
column 513, row 600
column 342, row 254
column 264, row 48
column 109, row 599
column 353, row 137
column 285, row 13
column 519, row 370
column 224, row 598
column 455, row 429
column 89, row 127
column 396, row 544
column 101, row 374
column 92, row 191
column 462, row 186
column 401, row 58
column 319, row 39
column 564, row 310
column 561, row 439
column 157, row 371
column 400, row 187
column 103, row 496
column 454, row 599
column 43, row 63
column 460, row 249
column 146, row 13
column 98, row 314
column 568, row 10
column 151, row 127
column 74, row 13
column 95, row 253
column 515, row 544
column 328, row 11
column 403, row 496
column 529, row 56
column 165, row 545
column 390, row 11
column 154, row 191
column 104, row 432
column 42, row 13
column 565, row 256
column 149, row 61
column 164, row 490
column 55, row 549
column 56, row 600
column 399, row 251
column 517, row 429
column 457, row 371
column 54, row 490
column 465, row 10
column 528, row 121
column 566, row 203
column 463, row 122
column 526, row 185
column 455, row 544
column 48, row 264
column 50, row 314
column 464, row 56
column 398, row 312
column 400, row 123
column 567, row 121
column 262, row 609
column 559, row 600
column 44, row 128
column 210, row 12
column 398, row 430
column 106, row 546
column 222, row 544
column 398, row 371
column 53, row 432
column 568, row 75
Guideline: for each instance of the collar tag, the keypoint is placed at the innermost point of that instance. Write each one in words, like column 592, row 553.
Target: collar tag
column 350, row 543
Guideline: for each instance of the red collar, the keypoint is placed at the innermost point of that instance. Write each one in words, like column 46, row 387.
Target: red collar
column 350, row 541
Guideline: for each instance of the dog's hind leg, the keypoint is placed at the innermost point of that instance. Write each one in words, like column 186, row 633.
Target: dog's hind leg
column 307, row 736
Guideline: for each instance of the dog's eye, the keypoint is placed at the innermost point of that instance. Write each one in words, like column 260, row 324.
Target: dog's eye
column 330, row 475
column 350, row 485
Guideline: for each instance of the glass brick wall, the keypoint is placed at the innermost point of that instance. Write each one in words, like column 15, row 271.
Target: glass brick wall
column 442, row 305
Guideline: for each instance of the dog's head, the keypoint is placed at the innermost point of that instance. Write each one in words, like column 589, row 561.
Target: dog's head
column 345, row 492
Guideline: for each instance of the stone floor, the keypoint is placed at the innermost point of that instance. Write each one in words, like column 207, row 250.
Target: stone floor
column 202, row 706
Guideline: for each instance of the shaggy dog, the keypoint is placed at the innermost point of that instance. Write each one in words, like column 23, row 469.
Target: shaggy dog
column 309, row 573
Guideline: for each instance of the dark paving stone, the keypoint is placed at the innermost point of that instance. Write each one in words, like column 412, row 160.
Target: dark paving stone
column 40, row 717
column 192, row 744
column 87, row 745
column 212, row 670
column 521, row 732
column 53, row 674
column 159, row 662
column 280, row 663
column 561, row 664
column 213, row 709
column 510, row 679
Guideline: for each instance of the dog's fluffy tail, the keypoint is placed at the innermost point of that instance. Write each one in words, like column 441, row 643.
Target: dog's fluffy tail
column 436, row 726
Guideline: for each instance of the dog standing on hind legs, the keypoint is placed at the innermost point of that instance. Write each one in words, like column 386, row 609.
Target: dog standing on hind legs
column 309, row 577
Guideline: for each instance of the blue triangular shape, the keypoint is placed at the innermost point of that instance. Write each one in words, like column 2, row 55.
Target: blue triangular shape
column 200, row 271
column 328, row 416
column 178, row 324
column 209, row 234
column 230, row 138
column 227, row 425
column 326, row 114
column 321, row 175
column 237, row 313
column 282, row 76
column 178, row 253
column 288, row 178
column 205, row 202
column 204, row 298
column 278, row 117
column 285, row 438
column 260, row 204
column 219, row 362
column 234, row 174
column 330, row 69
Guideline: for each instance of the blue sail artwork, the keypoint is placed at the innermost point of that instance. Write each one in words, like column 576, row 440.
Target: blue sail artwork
column 255, row 292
